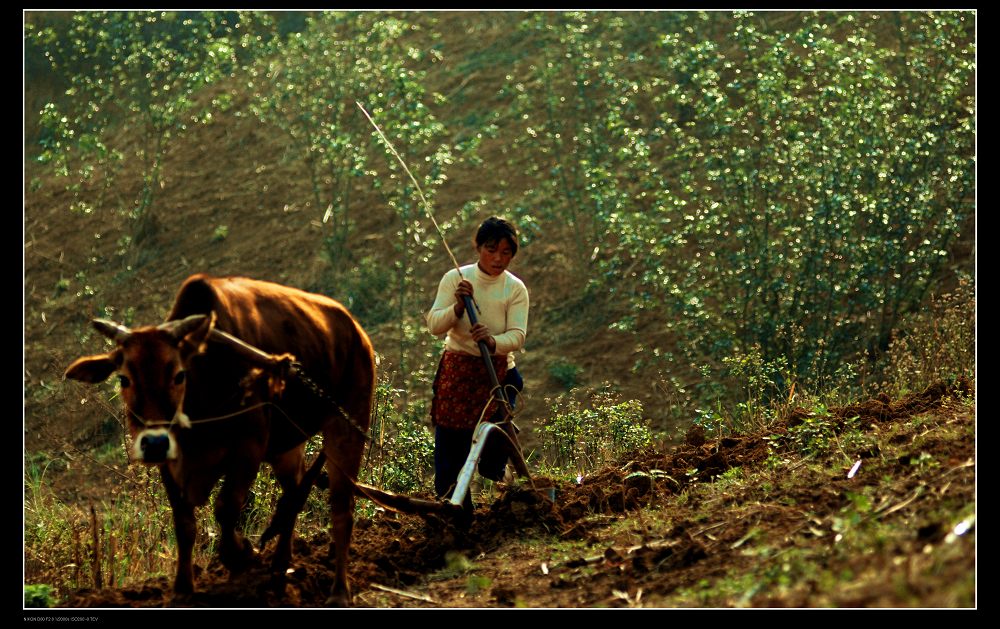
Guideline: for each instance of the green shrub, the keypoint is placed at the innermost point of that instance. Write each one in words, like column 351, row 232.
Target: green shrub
column 368, row 291
column 814, row 434
column 38, row 595
column 401, row 452
column 794, row 193
column 765, row 386
column 578, row 437
column 938, row 343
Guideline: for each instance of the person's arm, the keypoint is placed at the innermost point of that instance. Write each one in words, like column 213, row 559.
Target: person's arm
column 517, row 323
column 442, row 316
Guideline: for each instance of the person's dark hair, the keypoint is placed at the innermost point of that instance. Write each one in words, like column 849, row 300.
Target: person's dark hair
column 495, row 228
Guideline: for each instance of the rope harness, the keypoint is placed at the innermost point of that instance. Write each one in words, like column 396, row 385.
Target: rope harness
column 299, row 372
column 286, row 368
column 290, row 368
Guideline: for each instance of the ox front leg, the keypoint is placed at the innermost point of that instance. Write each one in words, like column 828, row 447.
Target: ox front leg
column 185, row 529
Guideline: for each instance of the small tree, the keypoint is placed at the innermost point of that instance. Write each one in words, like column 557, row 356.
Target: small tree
column 134, row 79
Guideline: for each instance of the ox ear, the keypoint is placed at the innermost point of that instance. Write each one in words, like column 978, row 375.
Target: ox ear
column 92, row 369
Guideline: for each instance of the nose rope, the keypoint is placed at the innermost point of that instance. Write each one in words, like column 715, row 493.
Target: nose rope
column 204, row 420
column 208, row 420
column 147, row 424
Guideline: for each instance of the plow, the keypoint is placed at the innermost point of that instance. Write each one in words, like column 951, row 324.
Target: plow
column 285, row 367
column 505, row 428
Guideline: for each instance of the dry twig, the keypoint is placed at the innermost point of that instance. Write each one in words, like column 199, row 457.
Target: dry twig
column 413, row 595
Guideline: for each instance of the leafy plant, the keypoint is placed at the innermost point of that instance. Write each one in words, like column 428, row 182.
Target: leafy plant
column 367, row 291
column 477, row 583
column 220, row 233
column 732, row 476
column 575, row 437
column 401, row 451
column 853, row 442
column 766, row 386
column 713, row 422
column 938, row 343
column 814, row 434
column 38, row 595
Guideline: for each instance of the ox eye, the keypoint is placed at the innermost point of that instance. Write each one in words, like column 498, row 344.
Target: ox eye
column 124, row 382
column 179, row 377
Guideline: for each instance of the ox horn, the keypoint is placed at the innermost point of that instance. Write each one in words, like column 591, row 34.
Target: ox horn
column 114, row 331
column 182, row 327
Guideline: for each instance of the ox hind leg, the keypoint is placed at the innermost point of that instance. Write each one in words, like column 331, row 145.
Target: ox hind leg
column 344, row 445
column 344, row 450
column 296, row 483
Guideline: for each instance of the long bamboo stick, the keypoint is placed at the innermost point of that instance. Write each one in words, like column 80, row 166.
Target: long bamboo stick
column 423, row 199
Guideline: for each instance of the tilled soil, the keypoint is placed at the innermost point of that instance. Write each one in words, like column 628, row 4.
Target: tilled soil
column 410, row 561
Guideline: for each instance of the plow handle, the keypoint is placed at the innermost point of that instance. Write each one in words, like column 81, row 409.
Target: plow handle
column 517, row 457
column 485, row 351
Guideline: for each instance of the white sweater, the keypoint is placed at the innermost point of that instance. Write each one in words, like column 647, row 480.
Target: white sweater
column 503, row 300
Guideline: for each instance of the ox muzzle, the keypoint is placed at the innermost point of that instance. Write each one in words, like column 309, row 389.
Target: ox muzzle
column 154, row 446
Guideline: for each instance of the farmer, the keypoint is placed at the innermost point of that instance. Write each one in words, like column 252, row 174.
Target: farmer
column 462, row 385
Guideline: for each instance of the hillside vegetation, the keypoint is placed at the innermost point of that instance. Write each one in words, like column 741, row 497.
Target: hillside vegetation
column 734, row 225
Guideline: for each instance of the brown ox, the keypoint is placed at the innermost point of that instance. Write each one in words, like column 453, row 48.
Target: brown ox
column 196, row 410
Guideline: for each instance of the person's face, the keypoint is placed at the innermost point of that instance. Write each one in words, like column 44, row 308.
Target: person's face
column 495, row 257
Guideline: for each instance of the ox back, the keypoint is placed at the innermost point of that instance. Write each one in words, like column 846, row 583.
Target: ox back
column 318, row 331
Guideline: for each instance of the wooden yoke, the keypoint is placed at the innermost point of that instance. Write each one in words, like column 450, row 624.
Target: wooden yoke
column 251, row 353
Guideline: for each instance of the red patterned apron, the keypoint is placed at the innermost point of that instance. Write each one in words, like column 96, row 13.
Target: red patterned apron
column 462, row 388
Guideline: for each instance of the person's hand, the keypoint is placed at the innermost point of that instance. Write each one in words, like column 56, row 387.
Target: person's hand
column 464, row 288
column 482, row 333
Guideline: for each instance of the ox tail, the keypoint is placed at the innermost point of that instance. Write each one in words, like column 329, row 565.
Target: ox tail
column 291, row 502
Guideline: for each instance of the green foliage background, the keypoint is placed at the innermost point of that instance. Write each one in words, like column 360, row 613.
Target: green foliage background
column 791, row 181
column 790, row 185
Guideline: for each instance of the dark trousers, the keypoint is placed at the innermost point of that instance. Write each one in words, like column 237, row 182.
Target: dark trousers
column 451, row 448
